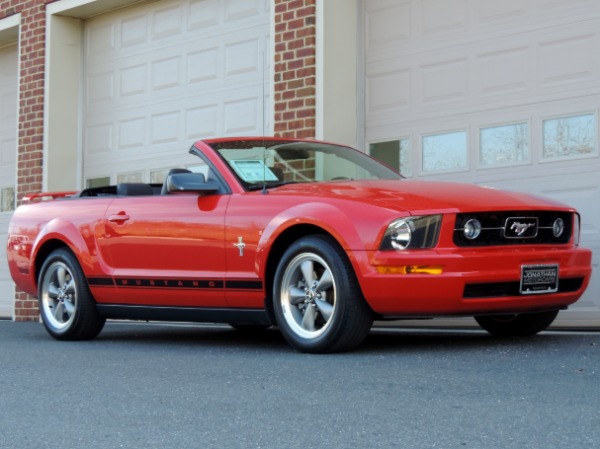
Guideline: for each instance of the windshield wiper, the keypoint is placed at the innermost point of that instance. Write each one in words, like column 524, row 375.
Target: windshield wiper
column 270, row 185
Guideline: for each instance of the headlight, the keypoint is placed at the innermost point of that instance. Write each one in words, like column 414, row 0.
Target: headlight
column 412, row 233
column 576, row 229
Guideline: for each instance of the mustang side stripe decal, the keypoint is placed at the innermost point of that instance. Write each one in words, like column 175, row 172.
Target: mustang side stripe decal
column 93, row 281
column 169, row 283
column 207, row 284
column 243, row 285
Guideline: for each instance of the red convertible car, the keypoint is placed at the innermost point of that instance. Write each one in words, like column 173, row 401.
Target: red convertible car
column 314, row 238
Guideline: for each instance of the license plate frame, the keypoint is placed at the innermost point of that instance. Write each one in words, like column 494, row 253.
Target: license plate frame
column 539, row 279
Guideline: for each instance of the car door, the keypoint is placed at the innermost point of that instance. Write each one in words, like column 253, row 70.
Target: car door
column 167, row 250
column 248, row 215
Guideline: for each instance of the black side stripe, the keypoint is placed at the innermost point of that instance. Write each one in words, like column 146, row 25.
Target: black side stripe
column 204, row 284
column 243, row 285
column 96, row 281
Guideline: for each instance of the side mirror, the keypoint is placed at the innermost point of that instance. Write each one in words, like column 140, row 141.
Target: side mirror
column 190, row 182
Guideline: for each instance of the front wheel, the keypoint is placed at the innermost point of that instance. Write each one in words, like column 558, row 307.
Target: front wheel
column 317, row 301
column 67, row 307
column 516, row 325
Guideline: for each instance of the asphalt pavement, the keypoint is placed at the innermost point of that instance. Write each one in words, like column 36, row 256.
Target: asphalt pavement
column 173, row 386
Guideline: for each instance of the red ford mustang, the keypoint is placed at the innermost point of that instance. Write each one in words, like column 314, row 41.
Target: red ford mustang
column 315, row 238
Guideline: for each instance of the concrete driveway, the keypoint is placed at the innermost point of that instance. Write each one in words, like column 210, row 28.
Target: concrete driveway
column 171, row 386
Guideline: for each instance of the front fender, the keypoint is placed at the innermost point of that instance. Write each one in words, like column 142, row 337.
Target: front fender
column 325, row 216
column 353, row 230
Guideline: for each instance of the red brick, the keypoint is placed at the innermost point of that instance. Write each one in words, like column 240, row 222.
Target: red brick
column 305, row 51
column 303, row 12
column 295, row 84
column 296, row 104
column 295, row 24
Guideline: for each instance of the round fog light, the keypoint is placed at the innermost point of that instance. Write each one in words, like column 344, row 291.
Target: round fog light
column 472, row 229
column 558, row 227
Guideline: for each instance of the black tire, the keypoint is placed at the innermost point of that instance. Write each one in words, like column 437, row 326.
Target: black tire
column 517, row 325
column 67, row 307
column 317, row 301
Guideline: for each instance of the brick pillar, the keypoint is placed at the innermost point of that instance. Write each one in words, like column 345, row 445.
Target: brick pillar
column 30, row 113
column 295, row 68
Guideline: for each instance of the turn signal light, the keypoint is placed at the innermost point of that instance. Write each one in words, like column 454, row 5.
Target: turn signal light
column 410, row 269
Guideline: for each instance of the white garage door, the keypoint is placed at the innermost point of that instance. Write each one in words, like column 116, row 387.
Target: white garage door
column 8, row 153
column 162, row 75
column 504, row 94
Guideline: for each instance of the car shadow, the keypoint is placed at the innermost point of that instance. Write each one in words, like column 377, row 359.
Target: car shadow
column 447, row 340
column 192, row 335
column 388, row 340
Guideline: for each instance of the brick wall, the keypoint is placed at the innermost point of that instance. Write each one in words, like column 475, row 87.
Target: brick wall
column 30, row 115
column 295, row 68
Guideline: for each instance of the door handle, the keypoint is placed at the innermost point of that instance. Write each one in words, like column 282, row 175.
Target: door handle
column 121, row 217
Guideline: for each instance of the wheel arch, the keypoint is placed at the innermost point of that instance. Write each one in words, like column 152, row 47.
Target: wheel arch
column 47, row 248
column 277, row 249
column 59, row 233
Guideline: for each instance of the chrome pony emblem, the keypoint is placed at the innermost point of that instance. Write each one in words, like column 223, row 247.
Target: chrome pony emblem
column 521, row 227
column 240, row 245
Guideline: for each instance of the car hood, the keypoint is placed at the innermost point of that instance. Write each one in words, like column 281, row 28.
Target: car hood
column 417, row 196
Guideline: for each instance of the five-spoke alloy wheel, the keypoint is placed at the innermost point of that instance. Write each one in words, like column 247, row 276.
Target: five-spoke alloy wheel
column 318, row 303
column 66, row 304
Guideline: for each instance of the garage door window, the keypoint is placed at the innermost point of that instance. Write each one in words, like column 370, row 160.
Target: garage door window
column 158, row 176
column 97, row 182
column 394, row 153
column 445, row 152
column 569, row 137
column 7, row 199
column 504, row 145
column 130, row 177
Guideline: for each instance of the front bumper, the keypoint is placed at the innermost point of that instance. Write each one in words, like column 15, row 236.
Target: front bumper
column 471, row 282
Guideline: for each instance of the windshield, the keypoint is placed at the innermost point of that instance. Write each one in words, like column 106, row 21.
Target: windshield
column 272, row 163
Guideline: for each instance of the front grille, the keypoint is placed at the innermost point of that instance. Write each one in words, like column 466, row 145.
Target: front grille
column 501, row 289
column 496, row 228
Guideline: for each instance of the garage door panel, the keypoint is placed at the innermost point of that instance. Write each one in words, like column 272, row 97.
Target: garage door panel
column 569, row 57
column 166, row 74
column 387, row 24
column 444, row 81
column 493, row 77
column 7, row 287
column 550, row 62
column 134, row 28
column 135, row 81
column 491, row 11
column 8, row 158
column 443, row 16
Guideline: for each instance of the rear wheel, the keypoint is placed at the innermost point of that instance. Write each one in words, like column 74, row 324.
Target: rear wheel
column 516, row 325
column 318, row 303
column 67, row 307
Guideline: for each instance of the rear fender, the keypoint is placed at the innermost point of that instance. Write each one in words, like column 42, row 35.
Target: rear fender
column 80, row 240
